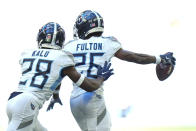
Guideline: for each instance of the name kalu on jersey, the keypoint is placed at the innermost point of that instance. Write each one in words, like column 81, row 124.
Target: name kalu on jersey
column 40, row 53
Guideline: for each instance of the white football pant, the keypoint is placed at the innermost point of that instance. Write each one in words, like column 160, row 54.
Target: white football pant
column 22, row 111
column 90, row 112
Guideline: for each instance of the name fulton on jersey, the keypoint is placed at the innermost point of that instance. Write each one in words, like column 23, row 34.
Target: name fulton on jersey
column 89, row 46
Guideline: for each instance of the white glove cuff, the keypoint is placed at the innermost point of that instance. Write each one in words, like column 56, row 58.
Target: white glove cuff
column 81, row 79
column 158, row 59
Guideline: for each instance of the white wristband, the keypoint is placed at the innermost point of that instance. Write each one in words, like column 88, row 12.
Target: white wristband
column 80, row 80
column 158, row 59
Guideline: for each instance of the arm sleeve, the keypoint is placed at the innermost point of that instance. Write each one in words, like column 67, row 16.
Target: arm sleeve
column 114, row 45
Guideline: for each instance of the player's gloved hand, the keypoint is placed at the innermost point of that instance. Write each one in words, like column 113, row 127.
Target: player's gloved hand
column 168, row 59
column 105, row 71
column 52, row 102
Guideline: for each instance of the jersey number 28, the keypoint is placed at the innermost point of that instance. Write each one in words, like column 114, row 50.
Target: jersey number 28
column 38, row 72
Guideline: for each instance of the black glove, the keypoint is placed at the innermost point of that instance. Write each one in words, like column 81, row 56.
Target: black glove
column 105, row 71
column 52, row 102
column 168, row 59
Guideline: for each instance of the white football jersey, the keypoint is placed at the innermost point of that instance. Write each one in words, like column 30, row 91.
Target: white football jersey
column 41, row 71
column 90, row 53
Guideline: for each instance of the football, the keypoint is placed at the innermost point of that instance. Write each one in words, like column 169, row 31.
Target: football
column 163, row 71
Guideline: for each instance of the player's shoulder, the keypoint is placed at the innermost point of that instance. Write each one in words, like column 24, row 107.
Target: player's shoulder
column 70, row 45
column 70, row 42
column 62, row 58
column 111, row 38
column 66, row 58
column 66, row 54
column 113, row 41
column 26, row 52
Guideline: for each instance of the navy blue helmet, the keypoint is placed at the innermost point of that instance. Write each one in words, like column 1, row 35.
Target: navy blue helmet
column 51, row 36
column 88, row 22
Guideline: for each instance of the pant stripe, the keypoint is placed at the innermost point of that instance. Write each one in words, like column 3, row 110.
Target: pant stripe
column 24, row 124
column 101, row 116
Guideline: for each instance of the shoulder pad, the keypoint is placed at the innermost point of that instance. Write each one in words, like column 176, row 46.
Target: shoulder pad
column 69, row 56
column 67, row 53
column 68, row 43
column 22, row 55
column 112, row 38
column 26, row 51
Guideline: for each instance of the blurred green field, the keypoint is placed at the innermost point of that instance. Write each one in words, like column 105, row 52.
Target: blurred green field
column 158, row 129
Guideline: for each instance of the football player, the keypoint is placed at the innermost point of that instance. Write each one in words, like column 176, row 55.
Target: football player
column 42, row 72
column 90, row 49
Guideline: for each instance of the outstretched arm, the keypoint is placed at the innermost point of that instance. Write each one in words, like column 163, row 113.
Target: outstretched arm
column 89, row 84
column 136, row 57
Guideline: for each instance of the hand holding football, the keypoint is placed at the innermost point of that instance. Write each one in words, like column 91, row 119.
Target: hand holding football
column 163, row 71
